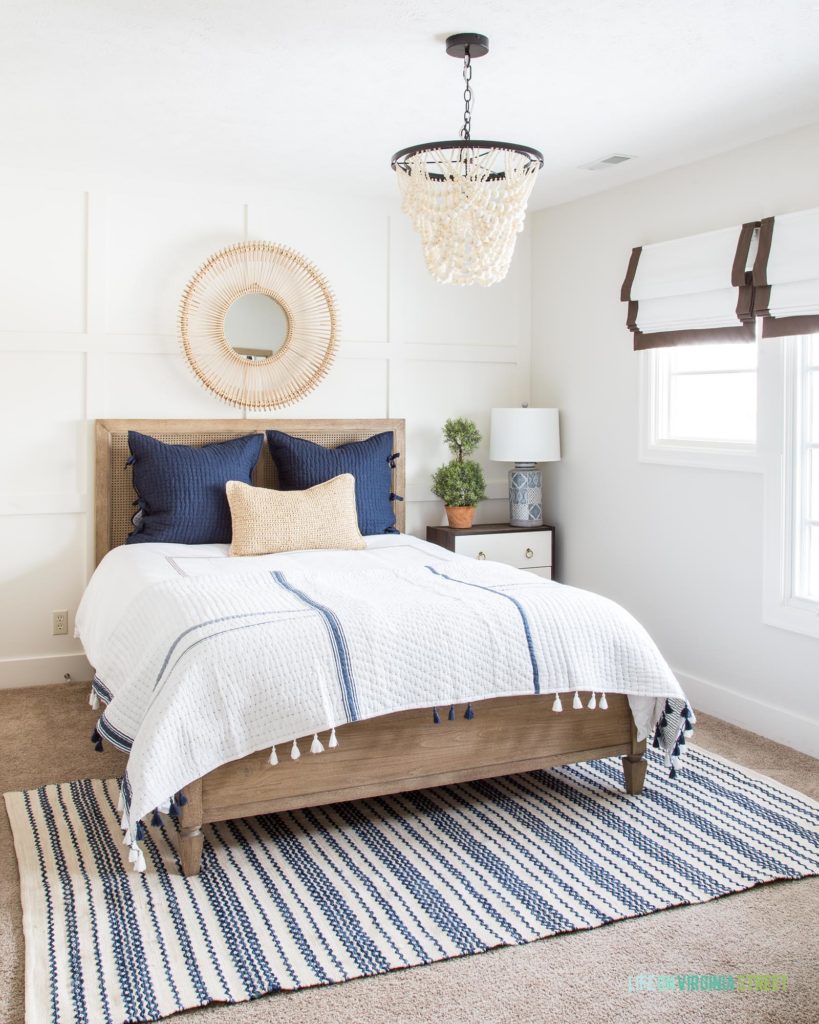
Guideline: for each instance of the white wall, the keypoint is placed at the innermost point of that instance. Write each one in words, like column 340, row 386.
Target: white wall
column 89, row 287
column 680, row 548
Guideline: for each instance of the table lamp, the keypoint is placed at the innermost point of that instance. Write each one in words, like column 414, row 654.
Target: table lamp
column 525, row 436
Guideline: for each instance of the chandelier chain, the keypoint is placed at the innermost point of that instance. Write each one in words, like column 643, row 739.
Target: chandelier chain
column 465, row 131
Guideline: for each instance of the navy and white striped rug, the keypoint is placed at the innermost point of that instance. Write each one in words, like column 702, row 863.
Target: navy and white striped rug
column 323, row 895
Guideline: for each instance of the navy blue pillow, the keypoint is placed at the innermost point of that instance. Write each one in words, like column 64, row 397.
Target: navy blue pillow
column 181, row 489
column 302, row 464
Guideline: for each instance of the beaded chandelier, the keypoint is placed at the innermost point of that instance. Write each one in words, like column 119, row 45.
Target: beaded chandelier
column 466, row 198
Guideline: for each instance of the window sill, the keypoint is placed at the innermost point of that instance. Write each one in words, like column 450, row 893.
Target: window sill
column 797, row 618
column 745, row 459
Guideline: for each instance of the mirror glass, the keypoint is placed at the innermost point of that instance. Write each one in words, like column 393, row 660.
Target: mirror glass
column 255, row 325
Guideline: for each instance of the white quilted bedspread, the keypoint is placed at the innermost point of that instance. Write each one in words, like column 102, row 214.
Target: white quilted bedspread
column 203, row 659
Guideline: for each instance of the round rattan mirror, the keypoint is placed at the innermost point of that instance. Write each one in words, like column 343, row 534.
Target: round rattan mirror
column 258, row 325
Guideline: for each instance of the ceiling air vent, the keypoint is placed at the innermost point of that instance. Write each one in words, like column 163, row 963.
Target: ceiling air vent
column 609, row 161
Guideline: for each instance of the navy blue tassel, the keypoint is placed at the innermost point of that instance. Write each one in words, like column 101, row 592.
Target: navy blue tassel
column 688, row 726
column 140, row 831
column 156, row 820
column 685, row 712
column 181, row 799
column 436, row 718
column 96, row 739
column 681, row 740
column 673, row 773
column 396, row 497
column 668, row 708
column 98, row 747
column 451, row 715
column 469, row 713
column 676, row 751
column 663, row 721
column 656, row 743
column 130, row 460
column 391, row 460
column 173, row 810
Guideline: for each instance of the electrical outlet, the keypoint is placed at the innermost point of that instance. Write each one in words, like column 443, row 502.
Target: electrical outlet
column 59, row 623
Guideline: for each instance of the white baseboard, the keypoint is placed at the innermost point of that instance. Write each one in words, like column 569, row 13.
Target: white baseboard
column 775, row 723
column 42, row 671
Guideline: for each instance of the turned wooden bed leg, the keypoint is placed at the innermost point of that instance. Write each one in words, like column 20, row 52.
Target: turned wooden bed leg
column 190, row 830
column 635, row 764
column 634, row 772
column 190, row 850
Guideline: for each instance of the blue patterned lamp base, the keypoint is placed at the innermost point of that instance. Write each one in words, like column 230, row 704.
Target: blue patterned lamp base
column 525, row 496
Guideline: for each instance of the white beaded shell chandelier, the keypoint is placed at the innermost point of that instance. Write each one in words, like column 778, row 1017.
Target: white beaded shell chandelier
column 467, row 198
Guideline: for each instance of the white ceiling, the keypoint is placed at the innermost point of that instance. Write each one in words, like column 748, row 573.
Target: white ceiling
column 315, row 93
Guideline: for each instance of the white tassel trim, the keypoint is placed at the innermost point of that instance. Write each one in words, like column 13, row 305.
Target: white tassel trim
column 316, row 747
column 577, row 703
column 273, row 759
column 140, row 865
column 295, row 753
column 120, row 801
column 592, row 703
column 556, row 705
column 603, row 704
column 332, row 743
column 93, row 699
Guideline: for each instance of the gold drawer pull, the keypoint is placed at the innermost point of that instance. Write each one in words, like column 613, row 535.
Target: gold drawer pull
column 530, row 553
column 481, row 556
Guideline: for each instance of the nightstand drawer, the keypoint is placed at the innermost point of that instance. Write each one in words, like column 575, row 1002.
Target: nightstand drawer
column 524, row 550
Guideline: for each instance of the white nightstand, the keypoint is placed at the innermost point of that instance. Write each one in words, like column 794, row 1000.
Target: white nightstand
column 530, row 549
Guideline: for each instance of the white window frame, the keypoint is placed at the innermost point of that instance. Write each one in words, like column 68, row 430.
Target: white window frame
column 726, row 455
column 783, row 474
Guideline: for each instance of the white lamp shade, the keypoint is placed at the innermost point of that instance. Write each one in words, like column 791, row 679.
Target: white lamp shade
column 524, row 435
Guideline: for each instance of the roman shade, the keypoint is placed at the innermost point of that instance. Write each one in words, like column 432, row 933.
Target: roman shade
column 786, row 274
column 694, row 289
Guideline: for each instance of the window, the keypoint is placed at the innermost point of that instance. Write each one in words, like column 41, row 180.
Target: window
column 700, row 405
column 804, row 470
column 791, row 572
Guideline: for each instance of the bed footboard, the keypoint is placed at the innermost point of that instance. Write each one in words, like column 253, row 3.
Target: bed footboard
column 406, row 751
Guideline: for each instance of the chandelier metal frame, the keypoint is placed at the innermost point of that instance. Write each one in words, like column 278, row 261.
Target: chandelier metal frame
column 466, row 45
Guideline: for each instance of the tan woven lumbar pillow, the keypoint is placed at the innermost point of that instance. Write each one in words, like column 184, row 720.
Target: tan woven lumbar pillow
column 322, row 517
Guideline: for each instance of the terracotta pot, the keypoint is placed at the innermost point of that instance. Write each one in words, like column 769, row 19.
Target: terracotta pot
column 460, row 516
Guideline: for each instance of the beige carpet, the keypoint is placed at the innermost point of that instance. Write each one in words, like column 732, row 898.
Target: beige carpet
column 581, row 977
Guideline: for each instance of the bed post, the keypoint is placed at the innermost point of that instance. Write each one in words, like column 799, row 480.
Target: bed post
column 635, row 764
column 190, row 830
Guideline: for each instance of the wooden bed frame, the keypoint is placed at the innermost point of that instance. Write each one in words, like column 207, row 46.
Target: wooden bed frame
column 390, row 754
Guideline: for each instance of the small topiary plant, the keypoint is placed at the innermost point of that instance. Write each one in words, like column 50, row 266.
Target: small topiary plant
column 460, row 483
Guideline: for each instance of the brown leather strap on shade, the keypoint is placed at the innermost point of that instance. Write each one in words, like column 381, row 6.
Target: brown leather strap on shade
column 625, row 291
column 760, row 272
column 740, row 275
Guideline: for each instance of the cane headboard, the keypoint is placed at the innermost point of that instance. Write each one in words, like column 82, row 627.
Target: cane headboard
column 114, row 493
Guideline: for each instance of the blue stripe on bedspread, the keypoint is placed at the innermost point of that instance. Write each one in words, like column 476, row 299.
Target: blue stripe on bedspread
column 523, row 618
column 338, row 642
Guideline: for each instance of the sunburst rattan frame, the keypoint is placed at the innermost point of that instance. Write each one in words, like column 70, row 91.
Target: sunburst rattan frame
column 309, row 346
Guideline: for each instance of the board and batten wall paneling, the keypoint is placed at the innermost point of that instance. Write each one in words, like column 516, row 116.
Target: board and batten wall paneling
column 89, row 291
